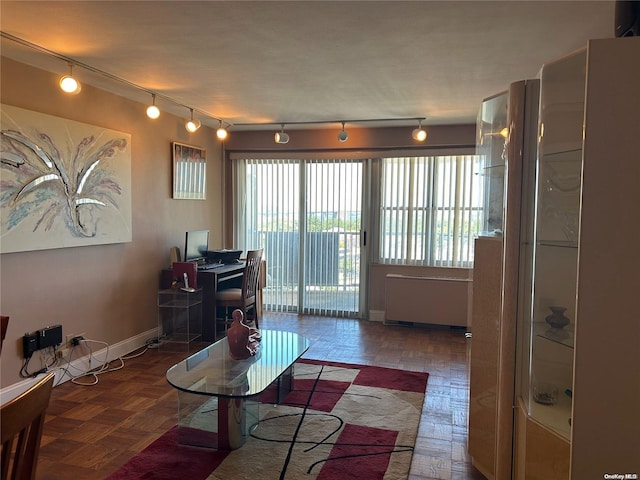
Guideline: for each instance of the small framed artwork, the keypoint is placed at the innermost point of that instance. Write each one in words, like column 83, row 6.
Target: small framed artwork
column 189, row 172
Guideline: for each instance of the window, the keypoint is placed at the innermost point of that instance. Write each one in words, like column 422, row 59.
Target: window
column 430, row 210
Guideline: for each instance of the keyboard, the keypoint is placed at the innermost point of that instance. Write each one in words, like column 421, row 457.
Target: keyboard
column 209, row 266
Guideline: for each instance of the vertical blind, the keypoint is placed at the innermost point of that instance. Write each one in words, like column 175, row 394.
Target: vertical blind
column 271, row 221
column 307, row 217
column 332, row 217
column 430, row 210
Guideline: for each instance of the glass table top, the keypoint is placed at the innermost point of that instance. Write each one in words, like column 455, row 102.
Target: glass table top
column 212, row 371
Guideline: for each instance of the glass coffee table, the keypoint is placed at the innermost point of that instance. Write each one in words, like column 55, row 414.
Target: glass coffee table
column 218, row 396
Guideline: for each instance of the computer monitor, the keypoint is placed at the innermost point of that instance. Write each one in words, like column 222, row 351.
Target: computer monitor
column 196, row 246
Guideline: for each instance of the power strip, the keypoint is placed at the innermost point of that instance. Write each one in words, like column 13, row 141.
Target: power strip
column 29, row 344
column 49, row 336
column 43, row 338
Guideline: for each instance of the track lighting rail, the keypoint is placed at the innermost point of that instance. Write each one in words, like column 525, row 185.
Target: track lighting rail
column 105, row 74
column 328, row 122
column 193, row 124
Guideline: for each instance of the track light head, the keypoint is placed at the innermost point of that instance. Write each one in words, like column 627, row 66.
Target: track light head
column 69, row 84
column 221, row 133
column 192, row 125
column 419, row 134
column 281, row 137
column 342, row 136
column 152, row 110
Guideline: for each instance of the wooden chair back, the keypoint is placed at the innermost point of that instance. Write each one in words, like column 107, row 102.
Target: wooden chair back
column 22, row 422
column 251, row 277
column 246, row 297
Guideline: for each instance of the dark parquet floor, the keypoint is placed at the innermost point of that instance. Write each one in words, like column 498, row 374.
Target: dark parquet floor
column 91, row 430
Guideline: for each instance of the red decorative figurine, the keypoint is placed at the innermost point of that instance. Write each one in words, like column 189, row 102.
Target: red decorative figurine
column 244, row 341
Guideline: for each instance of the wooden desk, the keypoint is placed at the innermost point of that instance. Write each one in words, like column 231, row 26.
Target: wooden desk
column 209, row 281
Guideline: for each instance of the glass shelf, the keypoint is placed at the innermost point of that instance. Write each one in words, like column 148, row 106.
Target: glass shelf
column 182, row 337
column 548, row 352
column 569, row 155
column 560, row 176
column 492, row 172
column 179, row 318
column 561, row 172
column 491, row 147
column 557, row 417
column 562, row 336
column 558, row 243
column 176, row 298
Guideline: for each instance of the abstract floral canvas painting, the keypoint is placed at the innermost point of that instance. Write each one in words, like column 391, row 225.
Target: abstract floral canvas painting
column 62, row 183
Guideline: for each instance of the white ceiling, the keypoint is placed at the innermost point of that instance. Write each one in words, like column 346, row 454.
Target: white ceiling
column 303, row 61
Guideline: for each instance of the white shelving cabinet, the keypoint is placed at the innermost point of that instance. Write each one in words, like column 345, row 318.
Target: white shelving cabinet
column 583, row 255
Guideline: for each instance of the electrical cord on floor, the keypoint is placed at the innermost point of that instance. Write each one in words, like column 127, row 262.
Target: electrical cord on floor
column 65, row 370
column 24, row 372
column 104, row 365
column 134, row 355
column 103, row 368
column 155, row 342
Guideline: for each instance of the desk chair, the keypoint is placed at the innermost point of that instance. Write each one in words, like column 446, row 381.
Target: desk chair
column 22, row 419
column 242, row 298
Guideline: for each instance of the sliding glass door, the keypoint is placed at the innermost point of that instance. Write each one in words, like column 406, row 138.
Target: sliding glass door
column 308, row 217
column 332, row 222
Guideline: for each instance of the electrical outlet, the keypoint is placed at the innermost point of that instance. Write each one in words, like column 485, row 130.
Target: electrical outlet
column 63, row 353
column 69, row 338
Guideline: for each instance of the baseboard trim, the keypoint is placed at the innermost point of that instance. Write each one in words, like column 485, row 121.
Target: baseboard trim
column 68, row 370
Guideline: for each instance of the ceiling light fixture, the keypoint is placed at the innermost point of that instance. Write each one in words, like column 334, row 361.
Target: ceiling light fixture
column 68, row 83
column 192, row 125
column 281, row 137
column 383, row 122
column 152, row 110
column 342, row 136
column 419, row 134
column 221, row 133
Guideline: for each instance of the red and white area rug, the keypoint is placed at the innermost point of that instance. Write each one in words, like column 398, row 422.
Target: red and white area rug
column 341, row 421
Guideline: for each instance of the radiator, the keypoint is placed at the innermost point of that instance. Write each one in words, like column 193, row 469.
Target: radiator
column 432, row 300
